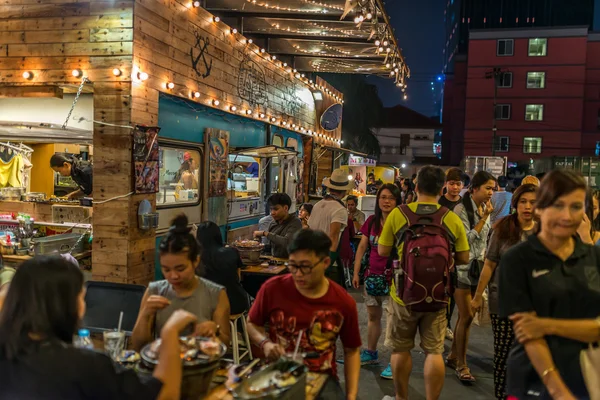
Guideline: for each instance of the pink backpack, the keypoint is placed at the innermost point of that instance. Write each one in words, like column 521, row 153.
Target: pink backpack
column 424, row 282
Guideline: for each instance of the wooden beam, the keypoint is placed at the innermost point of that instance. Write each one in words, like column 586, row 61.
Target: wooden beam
column 31, row 91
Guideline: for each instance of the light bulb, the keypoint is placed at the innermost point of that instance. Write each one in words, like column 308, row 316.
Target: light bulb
column 273, row 119
column 262, row 50
column 76, row 73
column 273, row 58
column 388, row 50
column 232, row 108
column 142, row 76
column 216, row 19
column 233, row 31
column 294, row 70
column 215, row 102
column 116, row 72
column 197, row 95
column 27, row 75
column 385, row 42
column 285, row 64
column 196, row 4
column 377, row 43
column 350, row 177
column 170, row 85
column 262, row 115
column 380, row 49
column 369, row 15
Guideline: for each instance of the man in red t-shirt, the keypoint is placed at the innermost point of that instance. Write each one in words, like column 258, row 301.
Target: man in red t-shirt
column 306, row 301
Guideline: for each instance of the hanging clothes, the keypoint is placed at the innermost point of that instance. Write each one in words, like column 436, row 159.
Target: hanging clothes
column 7, row 154
column 11, row 173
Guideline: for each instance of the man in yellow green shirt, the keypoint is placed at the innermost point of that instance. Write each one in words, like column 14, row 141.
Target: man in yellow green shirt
column 402, row 323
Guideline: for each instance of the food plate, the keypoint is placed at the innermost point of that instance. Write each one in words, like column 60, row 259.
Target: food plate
column 272, row 382
column 194, row 351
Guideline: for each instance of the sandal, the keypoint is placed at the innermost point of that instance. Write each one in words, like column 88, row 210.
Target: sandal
column 452, row 363
column 464, row 375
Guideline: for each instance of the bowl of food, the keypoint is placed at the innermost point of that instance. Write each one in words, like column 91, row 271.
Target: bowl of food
column 249, row 250
column 200, row 359
column 282, row 380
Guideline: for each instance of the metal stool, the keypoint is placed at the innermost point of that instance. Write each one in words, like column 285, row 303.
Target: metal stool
column 235, row 345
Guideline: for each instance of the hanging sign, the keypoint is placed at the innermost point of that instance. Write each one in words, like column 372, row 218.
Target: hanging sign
column 357, row 161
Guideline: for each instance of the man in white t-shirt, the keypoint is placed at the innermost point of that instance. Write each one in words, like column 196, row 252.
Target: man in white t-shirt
column 330, row 216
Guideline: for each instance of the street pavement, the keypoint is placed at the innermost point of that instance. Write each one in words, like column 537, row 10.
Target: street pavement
column 479, row 357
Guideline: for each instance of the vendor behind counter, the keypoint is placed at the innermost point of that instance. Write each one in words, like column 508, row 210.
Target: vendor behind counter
column 79, row 171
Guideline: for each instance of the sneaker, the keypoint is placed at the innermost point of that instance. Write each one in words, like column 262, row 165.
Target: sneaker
column 387, row 373
column 369, row 358
column 449, row 334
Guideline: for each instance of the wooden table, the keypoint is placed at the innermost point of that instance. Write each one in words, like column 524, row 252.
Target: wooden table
column 253, row 276
column 16, row 260
column 314, row 384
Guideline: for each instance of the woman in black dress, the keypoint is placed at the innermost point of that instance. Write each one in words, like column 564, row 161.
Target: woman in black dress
column 43, row 308
column 221, row 265
column 550, row 290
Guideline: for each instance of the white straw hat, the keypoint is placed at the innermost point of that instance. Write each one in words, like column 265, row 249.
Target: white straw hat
column 339, row 180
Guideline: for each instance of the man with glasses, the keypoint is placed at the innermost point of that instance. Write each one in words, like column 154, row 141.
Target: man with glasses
column 305, row 304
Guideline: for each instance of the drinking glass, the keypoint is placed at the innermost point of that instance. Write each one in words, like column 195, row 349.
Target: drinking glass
column 114, row 341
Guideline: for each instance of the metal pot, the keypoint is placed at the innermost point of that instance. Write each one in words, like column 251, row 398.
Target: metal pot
column 250, row 255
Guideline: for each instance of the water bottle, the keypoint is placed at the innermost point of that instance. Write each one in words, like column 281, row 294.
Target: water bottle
column 83, row 340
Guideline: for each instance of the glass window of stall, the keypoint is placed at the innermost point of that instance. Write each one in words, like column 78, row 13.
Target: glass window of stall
column 179, row 181
column 275, row 167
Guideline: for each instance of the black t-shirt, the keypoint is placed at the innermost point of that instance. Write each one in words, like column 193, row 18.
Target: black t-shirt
column 224, row 271
column 58, row 372
column 449, row 203
column 81, row 173
column 534, row 279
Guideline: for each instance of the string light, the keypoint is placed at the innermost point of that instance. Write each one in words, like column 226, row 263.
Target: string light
column 116, row 72
column 232, row 108
column 170, row 85
column 197, row 95
column 215, row 102
column 273, row 119
column 27, row 75
column 76, row 73
column 262, row 115
column 248, row 112
column 196, row 4
column 216, row 19
column 142, row 76
column 233, row 31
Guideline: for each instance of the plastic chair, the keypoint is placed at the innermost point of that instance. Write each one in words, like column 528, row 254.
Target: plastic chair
column 235, row 343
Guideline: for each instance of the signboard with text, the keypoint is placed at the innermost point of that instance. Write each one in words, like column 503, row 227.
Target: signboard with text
column 357, row 161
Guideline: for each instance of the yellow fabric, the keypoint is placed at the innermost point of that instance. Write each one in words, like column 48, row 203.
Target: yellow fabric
column 6, row 275
column 11, row 173
column 396, row 221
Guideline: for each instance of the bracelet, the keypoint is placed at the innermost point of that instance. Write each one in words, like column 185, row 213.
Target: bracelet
column 546, row 372
column 263, row 342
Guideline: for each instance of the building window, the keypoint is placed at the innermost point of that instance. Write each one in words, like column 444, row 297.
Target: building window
column 505, row 47
column 534, row 112
column 179, row 176
column 505, row 80
column 502, row 143
column 536, row 80
column 503, row 111
column 532, row 145
column 538, row 47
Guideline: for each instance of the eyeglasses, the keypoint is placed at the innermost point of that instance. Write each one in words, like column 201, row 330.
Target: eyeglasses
column 384, row 198
column 304, row 269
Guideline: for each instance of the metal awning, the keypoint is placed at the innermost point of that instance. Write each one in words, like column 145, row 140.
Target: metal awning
column 33, row 132
column 347, row 151
column 265, row 152
column 337, row 36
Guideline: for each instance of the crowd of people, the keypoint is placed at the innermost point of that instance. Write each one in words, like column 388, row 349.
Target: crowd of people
column 530, row 255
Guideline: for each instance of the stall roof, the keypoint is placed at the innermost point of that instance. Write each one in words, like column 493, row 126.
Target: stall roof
column 266, row 152
column 338, row 36
column 348, row 151
column 30, row 132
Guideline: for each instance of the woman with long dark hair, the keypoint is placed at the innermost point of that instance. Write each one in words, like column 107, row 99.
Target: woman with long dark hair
column 474, row 212
column 507, row 232
column 550, row 290
column 179, row 254
column 378, row 273
column 408, row 192
column 42, row 311
column 588, row 230
column 221, row 265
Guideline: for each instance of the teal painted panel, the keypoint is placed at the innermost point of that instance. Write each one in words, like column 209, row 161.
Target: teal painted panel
column 182, row 119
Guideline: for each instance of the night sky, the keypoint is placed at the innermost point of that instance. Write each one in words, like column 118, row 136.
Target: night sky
column 420, row 32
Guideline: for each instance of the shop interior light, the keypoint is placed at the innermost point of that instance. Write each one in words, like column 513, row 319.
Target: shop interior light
column 27, row 75
column 76, row 73
column 216, row 19
column 215, row 102
column 116, row 72
column 170, row 85
column 233, row 31
column 403, row 165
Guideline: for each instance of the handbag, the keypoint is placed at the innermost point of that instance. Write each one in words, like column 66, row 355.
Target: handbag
column 589, row 359
column 377, row 285
column 475, row 269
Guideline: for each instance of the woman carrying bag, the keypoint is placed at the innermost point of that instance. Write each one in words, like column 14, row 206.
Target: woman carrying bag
column 377, row 274
column 550, row 290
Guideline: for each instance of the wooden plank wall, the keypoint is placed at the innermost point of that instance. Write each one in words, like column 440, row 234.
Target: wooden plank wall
column 50, row 39
column 167, row 32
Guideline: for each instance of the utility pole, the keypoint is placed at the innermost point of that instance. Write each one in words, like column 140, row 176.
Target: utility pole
column 497, row 74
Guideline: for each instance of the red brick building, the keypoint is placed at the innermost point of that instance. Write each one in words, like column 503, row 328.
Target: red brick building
column 547, row 96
